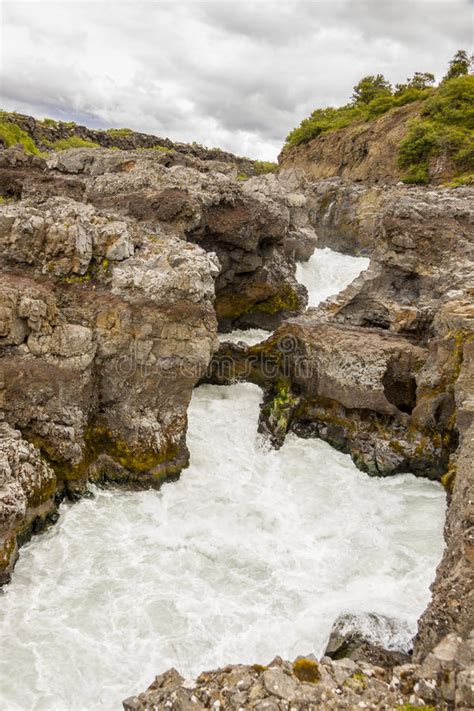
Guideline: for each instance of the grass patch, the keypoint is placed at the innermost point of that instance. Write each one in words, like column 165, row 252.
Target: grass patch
column 119, row 132
column 64, row 144
column 158, row 147
column 49, row 122
column 12, row 134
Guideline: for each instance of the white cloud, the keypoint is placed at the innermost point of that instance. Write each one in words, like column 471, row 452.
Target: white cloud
column 235, row 74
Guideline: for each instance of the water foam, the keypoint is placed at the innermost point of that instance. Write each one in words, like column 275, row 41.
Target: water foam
column 328, row 272
column 325, row 274
column 251, row 553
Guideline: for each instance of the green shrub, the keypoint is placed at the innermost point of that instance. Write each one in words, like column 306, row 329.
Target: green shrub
column 459, row 65
column 461, row 180
column 325, row 120
column 119, row 132
column 264, row 166
column 446, row 128
column 73, row 142
column 49, row 122
column 11, row 134
column 370, row 88
column 417, row 144
column 417, row 174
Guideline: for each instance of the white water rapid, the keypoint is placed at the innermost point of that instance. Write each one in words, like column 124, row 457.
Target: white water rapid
column 252, row 553
column 325, row 274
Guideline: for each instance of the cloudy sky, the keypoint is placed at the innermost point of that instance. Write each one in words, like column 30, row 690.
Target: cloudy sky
column 238, row 75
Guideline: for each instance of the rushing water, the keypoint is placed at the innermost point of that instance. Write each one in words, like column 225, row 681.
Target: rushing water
column 325, row 274
column 253, row 552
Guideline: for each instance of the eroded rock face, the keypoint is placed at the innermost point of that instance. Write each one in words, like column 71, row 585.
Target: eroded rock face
column 254, row 234
column 452, row 605
column 355, row 388
column 105, row 328
column 423, row 258
column 27, row 488
column 444, row 680
column 366, row 152
column 346, row 371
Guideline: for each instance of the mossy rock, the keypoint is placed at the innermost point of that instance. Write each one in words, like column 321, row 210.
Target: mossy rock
column 307, row 670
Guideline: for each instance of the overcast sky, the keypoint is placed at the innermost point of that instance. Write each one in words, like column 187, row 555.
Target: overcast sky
column 239, row 75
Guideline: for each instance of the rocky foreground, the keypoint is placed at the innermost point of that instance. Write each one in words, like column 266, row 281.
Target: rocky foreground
column 118, row 268
column 444, row 680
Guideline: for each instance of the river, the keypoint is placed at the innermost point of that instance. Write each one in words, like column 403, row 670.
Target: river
column 252, row 553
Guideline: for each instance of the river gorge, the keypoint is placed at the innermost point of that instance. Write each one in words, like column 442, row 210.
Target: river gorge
column 253, row 550
column 236, row 422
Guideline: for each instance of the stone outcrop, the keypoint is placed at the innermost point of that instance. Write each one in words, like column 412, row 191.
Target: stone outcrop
column 47, row 132
column 355, row 388
column 251, row 233
column 422, row 257
column 27, row 485
column 452, row 605
column 442, row 681
column 104, row 331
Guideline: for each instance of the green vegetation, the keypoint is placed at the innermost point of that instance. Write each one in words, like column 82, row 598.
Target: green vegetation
column 412, row 707
column 49, row 122
column 11, row 133
column 445, row 126
column 119, row 132
column 264, row 166
column 372, row 97
column 370, row 88
column 157, row 147
column 460, row 180
column 162, row 149
column 458, row 66
column 72, row 142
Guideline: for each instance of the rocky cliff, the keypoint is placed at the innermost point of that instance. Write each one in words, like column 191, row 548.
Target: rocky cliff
column 116, row 269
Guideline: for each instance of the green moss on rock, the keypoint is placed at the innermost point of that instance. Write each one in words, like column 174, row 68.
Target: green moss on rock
column 307, row 670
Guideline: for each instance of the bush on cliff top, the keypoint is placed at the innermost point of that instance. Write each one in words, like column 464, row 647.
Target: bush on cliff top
column 445, row 128
column 357, row 112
